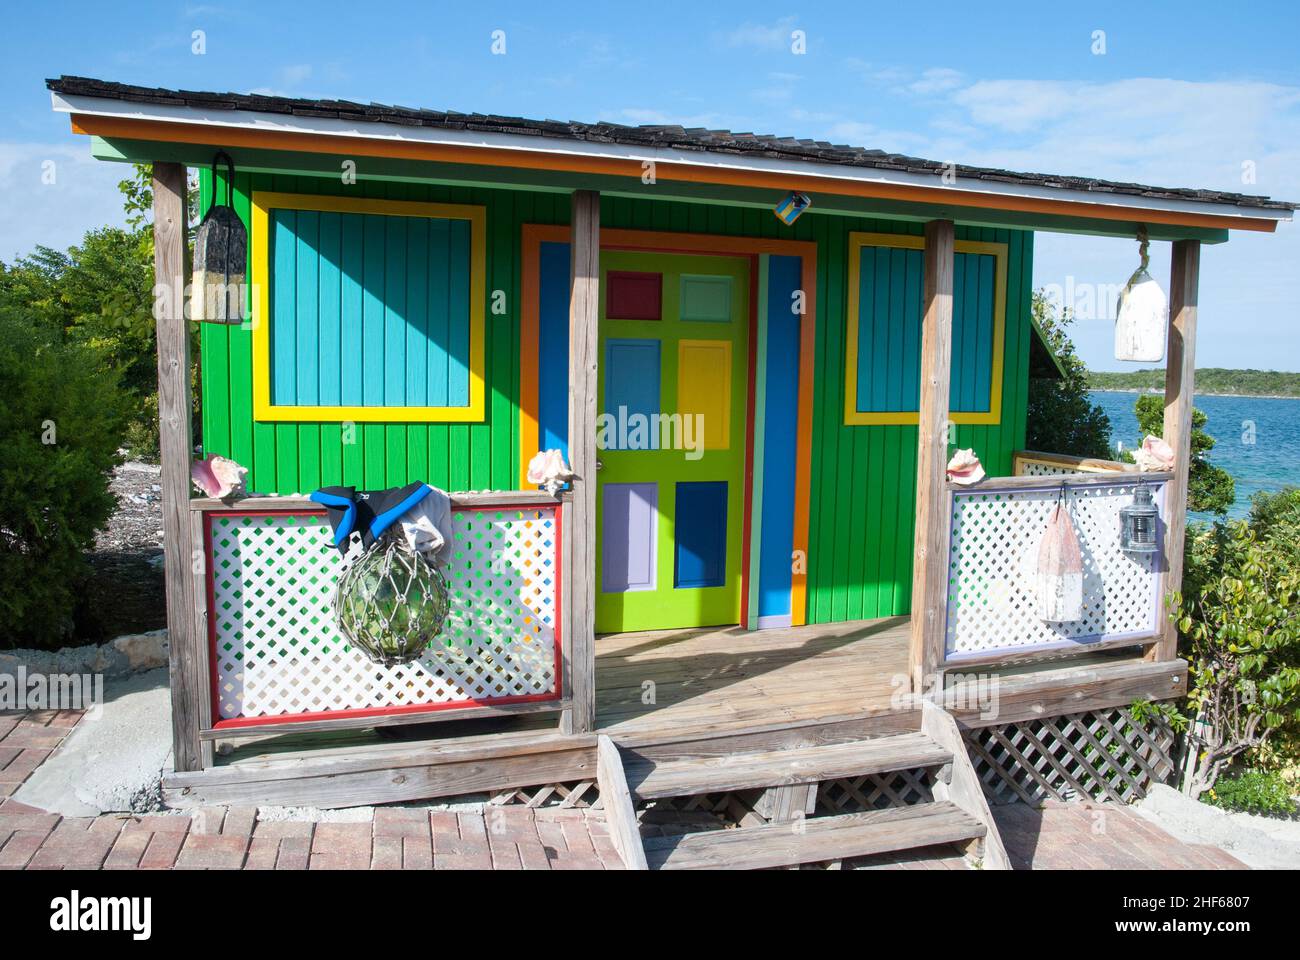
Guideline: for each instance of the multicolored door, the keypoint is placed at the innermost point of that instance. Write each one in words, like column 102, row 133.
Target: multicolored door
column 670, row 440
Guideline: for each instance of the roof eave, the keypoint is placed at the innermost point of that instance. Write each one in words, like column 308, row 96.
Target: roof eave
column 170, row 123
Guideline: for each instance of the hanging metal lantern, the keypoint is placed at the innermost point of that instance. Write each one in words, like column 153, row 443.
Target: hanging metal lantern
column 1143, row 314
column 390, row 603
column 791, row 206
column 220, row 258
column 1139, row 523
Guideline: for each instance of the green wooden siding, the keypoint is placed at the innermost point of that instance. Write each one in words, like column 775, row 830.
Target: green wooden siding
column 863, row 477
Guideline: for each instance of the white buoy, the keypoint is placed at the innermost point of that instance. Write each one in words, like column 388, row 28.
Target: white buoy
column 1059, row 593
column 1143, row 316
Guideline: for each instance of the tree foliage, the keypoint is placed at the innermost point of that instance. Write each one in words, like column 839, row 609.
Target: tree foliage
column 61, row 423
column 100, row 293
column 1061, row 416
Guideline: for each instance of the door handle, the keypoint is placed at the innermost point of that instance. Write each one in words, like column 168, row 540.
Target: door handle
column 600, row 464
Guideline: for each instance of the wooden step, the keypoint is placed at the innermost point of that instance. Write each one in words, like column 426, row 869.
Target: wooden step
column 773, row 768
column 818, row 839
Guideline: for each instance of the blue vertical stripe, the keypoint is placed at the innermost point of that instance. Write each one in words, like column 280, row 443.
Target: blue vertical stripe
column 553, row 348
column 781, row 414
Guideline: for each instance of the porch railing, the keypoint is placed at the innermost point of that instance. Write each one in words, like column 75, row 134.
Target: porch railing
column 1034, row 463
column 994, row 533
column 264, row 607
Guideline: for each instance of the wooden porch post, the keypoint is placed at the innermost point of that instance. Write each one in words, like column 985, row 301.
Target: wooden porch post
column 928, row 573
column 175, row 447
column 1180, row 383
column 584, row 308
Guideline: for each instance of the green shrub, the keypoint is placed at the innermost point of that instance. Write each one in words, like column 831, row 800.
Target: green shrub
column 1238, row 617
column 61, row 422
column 1255, row 791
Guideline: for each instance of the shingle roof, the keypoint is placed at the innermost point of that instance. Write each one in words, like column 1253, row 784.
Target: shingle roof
column 675, row 137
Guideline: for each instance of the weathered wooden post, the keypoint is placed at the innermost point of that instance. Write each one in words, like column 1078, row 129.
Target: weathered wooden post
column 584, row 310
column 175, row 449
column 1180, row 385
column 929, row 579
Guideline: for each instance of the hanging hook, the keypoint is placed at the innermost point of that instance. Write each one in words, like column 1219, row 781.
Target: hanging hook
column 1144, row 242
column 230, row 174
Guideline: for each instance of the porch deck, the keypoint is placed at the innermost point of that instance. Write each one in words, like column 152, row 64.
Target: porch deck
column 714, row 688
column 729, row 678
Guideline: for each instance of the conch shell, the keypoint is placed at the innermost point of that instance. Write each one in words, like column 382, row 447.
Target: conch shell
column 965, row 468
column 218, row 477
column 548, row 470
column 1154, row 455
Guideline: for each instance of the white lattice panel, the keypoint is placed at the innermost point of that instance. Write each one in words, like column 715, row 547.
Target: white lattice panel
column 1038, row 468
column 993, row 550
column 278, row 651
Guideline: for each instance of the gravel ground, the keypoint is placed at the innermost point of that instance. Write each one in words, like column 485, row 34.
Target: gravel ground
column 125, row 594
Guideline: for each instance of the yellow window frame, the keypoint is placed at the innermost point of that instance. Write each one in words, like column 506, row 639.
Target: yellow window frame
column 263, row 202
column 855, row 417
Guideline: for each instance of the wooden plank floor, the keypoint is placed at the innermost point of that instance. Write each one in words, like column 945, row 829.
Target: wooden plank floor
column 729, row 678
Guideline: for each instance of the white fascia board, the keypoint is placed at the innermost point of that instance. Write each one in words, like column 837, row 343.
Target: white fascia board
column 559, row 147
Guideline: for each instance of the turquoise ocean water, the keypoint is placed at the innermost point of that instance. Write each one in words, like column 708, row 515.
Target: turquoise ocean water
column 1257, row 438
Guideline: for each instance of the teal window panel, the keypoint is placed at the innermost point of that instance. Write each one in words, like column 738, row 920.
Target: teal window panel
column 890, row 283
column 369, row 310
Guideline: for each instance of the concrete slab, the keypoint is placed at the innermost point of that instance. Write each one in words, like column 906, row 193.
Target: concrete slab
column 113, row 761
column 1264, row 843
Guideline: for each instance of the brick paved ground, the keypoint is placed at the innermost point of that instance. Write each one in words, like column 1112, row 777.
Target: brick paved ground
column 1062, row 836
column 1090, row 836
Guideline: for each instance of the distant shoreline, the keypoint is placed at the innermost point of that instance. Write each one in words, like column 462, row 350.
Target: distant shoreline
column 1210, row 382
column 1199, row 393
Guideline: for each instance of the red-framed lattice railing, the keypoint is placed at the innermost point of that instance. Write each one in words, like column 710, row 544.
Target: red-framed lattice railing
column 276, row 657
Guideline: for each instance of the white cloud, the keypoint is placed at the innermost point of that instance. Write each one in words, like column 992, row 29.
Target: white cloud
column 295, row 74
column 766, row 38
column 937, row 80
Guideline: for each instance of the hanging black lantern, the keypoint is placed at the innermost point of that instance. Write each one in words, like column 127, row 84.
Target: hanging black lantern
column 220, row 258
column 1138, row 523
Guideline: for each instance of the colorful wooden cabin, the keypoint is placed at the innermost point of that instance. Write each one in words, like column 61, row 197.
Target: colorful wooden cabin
column 757, row 414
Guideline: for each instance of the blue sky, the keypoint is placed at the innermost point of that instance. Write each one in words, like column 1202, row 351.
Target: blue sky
column 1183, row 95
